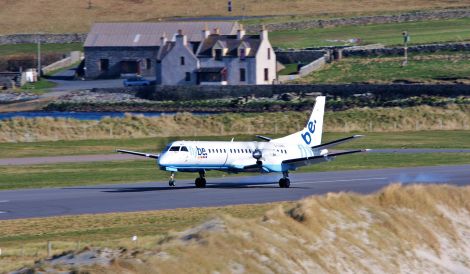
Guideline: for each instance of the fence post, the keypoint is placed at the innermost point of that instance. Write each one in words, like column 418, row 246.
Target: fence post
column 49, row 249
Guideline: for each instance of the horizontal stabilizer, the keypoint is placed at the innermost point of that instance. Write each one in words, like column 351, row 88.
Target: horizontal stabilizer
column 263, row 138
column 154, row 156
column 337, row 142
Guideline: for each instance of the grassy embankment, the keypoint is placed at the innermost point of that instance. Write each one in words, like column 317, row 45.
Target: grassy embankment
column 63, row 16
column 362, row 233
column 450, row 117
column 432, row 68
column 8, row 50
column 455, row 30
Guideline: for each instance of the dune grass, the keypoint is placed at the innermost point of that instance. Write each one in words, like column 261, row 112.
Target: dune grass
column 426, row 69
column 449, row 117
column 455, row 30
column 115, row 172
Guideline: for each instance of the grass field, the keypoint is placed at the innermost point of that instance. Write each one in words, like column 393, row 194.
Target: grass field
column 420, row 68
column 456, row 30
column 411, row 139
column 61, row 16
column 74, row 174
column 19, row 49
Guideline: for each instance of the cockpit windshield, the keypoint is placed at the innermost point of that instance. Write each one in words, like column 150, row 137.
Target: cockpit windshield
column 184, row 149
column 175, row 148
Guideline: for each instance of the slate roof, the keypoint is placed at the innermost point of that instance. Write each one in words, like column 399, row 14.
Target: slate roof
column 148, row 34
column 231, row 42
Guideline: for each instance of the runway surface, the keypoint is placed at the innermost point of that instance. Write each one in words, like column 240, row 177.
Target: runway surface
column 220, row 191
column 124, row 157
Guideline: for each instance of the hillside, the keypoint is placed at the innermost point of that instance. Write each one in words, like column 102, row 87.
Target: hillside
column 58, row 16
column 419, row 229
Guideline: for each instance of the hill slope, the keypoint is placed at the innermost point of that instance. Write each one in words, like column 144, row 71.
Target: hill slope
column 58, row 16
column 419, row 229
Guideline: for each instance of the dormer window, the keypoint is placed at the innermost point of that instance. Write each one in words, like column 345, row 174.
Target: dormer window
column 218, row 54
column 242, row 54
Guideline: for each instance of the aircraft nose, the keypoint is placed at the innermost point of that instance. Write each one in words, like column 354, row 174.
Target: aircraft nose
column 163, row 160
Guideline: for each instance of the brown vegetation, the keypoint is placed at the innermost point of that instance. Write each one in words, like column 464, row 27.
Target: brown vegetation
column 58, row 16
column 452, row 117
column 421, row 229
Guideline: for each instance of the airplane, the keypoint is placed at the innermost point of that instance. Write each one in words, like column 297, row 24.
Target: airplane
column 270, row 155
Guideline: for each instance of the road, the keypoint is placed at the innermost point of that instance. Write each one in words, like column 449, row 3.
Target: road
column 16, row 204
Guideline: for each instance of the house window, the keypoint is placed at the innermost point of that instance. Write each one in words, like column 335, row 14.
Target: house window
column 269, row 53
column 104, row 64
column 187, row 76
column 218, row 54
column 242, row 75
column 182, row 60
column 266, row 74
column 149, row 64
column 242, row 54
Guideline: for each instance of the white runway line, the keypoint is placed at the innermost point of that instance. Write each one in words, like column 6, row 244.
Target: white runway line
column 346, row 180
column 4, row 201
column 2, row 212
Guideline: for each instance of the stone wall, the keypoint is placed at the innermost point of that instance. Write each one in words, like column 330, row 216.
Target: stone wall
column 399, row 50
column 64, row 38
column 299, row 56
column 162, row 93
column 364, row 20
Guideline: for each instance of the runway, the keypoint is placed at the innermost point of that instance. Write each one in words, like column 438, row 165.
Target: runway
column 29, row 203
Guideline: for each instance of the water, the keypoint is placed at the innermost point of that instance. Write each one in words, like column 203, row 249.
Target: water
column 83, row 115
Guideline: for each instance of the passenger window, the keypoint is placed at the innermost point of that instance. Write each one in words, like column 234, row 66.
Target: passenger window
column 217, row 150
column 230, row 150
column 174, row 148
column 184, row 149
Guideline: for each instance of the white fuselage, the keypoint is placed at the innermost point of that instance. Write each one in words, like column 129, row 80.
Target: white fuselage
column 231, row 156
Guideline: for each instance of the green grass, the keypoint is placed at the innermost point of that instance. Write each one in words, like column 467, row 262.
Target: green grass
column 39, row 86
column 45, row 48
column 414, row 139
column 289, row 69
column 456, row 30
column 427, row 68
column 79, row 174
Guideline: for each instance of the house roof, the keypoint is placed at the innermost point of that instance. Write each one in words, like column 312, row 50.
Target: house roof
column 231, row 42
column 148, row 34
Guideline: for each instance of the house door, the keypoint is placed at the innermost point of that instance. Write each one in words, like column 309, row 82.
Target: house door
column 130, row 67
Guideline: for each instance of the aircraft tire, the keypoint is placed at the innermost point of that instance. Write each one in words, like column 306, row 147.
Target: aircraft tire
column 171, row 183
column 200, row 182
column 284, row 183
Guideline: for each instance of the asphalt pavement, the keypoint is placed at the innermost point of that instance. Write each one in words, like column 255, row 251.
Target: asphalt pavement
column 29, row 203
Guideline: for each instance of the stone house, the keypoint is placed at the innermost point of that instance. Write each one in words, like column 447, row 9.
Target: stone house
column 220, row 59
column 116, row 49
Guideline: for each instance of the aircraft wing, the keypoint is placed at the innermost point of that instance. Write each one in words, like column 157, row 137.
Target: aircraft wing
column 154, row 156
column 305, row 161
column 337, row 142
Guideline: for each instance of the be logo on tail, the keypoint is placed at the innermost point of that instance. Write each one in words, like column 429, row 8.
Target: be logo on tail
column 307, row 136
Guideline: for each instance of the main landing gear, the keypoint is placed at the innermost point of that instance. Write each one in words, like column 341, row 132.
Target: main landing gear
column 201, row 180
column 172, row 179
column 284, row 182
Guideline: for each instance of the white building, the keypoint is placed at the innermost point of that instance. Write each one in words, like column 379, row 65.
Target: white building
column 218, row 60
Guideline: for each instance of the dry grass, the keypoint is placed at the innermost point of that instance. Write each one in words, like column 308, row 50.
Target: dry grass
column 421, row 229
column 452, row 117
column 23, row 16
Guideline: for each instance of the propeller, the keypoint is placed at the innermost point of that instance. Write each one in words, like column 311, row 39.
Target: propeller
column 258, row 154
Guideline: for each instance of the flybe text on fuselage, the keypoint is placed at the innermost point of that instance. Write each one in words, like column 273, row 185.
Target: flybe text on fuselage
column 307, row 136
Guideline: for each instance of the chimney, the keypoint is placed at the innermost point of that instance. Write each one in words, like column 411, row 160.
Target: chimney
column 217, row 31
column 181, row 39
column 163, row 39
column 241, row 32
column 205, row 32
column 263, row 33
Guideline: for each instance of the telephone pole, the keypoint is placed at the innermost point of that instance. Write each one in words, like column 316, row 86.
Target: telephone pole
column 406, row 40
column 39, row 55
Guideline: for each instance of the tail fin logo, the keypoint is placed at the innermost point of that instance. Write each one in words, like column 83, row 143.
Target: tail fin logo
column 307, row 136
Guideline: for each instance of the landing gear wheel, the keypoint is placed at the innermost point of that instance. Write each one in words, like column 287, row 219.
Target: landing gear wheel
column 284, row 183
column 200, row 182
column 171, row 182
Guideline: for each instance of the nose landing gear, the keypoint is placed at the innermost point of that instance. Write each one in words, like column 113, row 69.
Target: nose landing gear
column 171, row 182
column 201, row 180
column 284, row 182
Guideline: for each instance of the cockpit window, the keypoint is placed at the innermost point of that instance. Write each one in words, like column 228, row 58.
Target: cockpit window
column 184, row 149
column 175, row 149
